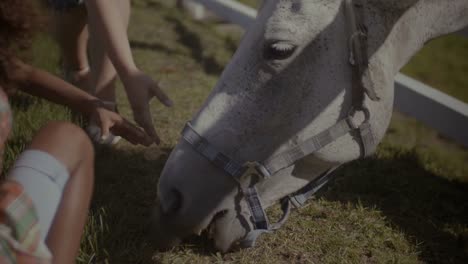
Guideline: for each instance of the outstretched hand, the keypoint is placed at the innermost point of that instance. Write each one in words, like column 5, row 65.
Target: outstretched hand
column 110, row 121
column 140, row 89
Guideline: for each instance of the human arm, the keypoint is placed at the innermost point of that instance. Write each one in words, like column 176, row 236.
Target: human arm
column 43, row 84
column 107, row 27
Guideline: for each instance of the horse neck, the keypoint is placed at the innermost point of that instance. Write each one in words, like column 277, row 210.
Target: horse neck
column 421, row 22
column 396, row 31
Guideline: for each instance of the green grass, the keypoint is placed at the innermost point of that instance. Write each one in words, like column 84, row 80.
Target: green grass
column 407, row 204
column 441, row 65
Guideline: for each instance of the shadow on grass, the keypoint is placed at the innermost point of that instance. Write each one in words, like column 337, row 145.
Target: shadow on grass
column 430, row 210
column 125, row 193
column 192, row 41
column 152, row 47
column 22, row 102
column 426, row 207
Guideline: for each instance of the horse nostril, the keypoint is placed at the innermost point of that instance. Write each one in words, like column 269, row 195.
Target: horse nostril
column 173, row 202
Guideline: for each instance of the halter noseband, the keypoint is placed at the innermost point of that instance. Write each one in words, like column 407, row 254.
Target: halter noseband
column 264, row 170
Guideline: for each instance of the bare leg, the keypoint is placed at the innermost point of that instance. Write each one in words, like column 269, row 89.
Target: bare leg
column 72, row 147
column 103, row 71
column 71, row 33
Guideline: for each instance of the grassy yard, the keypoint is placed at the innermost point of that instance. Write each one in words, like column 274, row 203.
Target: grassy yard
column 407, row 204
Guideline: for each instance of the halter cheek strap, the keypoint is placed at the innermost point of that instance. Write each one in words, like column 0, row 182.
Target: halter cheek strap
column 263, row 170
column 267, row 168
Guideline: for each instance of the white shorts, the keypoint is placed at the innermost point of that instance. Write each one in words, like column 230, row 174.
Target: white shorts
column 43, row 178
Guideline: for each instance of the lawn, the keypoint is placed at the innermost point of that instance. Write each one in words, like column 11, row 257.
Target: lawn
column 406, row 204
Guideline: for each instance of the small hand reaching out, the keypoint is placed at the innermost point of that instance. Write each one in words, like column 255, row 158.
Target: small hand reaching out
column 140, row 89
column 43, row 84
column 110, row 121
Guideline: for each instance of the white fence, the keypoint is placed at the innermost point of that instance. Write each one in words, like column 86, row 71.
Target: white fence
column 442, row 112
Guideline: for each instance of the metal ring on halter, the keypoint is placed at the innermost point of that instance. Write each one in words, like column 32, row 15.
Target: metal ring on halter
column 353, row 111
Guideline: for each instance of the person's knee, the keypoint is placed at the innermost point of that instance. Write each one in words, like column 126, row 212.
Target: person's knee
column 66, row 142
column 66, row 134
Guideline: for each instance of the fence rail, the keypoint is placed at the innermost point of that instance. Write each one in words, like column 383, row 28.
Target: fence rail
column 447, row 115
column 438, row 110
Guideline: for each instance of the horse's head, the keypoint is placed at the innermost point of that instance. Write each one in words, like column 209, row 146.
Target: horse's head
column 290, row 79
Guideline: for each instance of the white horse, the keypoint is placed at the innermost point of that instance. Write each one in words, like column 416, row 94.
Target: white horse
column 302, row 68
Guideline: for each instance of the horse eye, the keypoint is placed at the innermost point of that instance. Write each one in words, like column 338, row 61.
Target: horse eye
column 279, row 51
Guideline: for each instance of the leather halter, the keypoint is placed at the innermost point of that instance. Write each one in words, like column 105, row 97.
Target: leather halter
column 265, row 169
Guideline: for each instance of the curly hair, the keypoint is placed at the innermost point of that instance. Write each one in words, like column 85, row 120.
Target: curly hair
column 18, row 20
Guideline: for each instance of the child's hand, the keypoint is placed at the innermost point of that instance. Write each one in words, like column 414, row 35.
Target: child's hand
column 140, row 89
column 112, row 122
